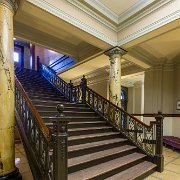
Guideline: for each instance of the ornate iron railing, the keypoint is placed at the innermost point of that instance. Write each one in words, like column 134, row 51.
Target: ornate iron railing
column 147, row 137
column 55, row 80
column 50, row 154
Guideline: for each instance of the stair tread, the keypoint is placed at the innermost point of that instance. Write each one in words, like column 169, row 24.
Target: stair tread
column 73, row 117
column 88, row 128
column 102, row 168
column 80, row 122
column 94, row 156
column 64, row 107
column 95, row 144
column 82, row 112
column 134, row 171
column 92, row 135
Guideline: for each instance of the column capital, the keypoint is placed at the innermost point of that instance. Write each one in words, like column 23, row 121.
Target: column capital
column 12, row 4
column 115, row 51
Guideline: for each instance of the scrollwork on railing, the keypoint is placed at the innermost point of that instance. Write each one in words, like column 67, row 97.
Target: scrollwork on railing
column 141, row 134
column 138, row 132
column 55, row 80
column 36, row 131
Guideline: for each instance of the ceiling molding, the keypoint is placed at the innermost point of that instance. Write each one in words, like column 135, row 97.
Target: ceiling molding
column 72, row 20
column 158, row 5
column 157, row 24
column 91, row 13
column 95, row 32
column 133, row 10
column 103, row 9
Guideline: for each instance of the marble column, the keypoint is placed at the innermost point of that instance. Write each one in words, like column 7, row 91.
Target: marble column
column 7, row 148
column 115, row 55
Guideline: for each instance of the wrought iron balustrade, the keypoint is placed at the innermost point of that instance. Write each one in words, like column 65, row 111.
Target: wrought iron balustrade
column 147, row 137
column 55, row 80
column 45, row 145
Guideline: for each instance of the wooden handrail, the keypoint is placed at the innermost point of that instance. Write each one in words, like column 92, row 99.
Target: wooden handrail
column 43, row 127
column 154, row 114
column 139, row 121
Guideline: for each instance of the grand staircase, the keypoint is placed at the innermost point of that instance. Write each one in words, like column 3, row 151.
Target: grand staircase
column 96, row 150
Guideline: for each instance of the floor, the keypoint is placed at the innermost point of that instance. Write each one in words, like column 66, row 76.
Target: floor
column 22, row 162
column 171, row 169
column 171, row 166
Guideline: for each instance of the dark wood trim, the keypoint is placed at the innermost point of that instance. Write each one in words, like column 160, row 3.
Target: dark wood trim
column 155, row 114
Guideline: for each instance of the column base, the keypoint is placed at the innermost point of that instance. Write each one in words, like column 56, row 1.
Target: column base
column 15, row 175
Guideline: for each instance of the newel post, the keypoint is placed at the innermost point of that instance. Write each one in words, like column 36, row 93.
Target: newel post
column 83, row 87
column 159, row 158
column 60, row 136
column 70, row 86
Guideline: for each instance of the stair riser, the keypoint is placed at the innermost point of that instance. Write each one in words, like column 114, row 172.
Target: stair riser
column 43, row 94
column 48, row 120
column 82, row 152
column 76, row 133
column 117, row 170
column 98, row 161
column 86, row 125
column 49, row 103
column 37, row 85
column 65, row 109
column 47, row 99
column 30, row 91
column 46, row 95
column 51, row 114
column 90, row 139
column 38, row 88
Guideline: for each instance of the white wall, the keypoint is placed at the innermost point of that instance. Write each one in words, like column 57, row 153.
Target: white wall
column 46, row 56
column 101, row 88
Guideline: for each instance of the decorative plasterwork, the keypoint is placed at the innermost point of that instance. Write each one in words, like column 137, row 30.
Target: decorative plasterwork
column 91, row 13
column 103, row 9
column 115, row 17
column 103, row 36
column 156, row 24
column 72, row 20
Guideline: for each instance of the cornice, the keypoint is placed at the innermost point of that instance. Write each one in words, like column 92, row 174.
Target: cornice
column 104, row 10
column 156, row 24
column 134, row 9
column 95, row 32
column 92, row 14
column 73, row 20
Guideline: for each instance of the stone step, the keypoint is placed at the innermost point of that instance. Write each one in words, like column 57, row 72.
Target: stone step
column 91, row 147
column 66, row 108
column 88, row 130
column 139, row 171
column 72, row 119
column 82, row 139
column 109, row 168
column 93, row 159
column 54, row 103
column 82, row 124
column 67, row 113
